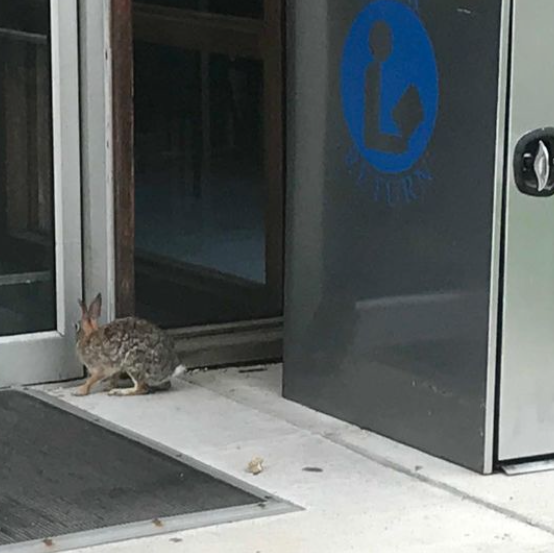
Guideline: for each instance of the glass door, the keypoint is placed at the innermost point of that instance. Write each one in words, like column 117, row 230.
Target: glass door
column 198, row 162
column 208, row 161
column 40, row 215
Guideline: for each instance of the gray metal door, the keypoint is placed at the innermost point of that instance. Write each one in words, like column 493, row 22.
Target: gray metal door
column 390, row 317
column 526, row 418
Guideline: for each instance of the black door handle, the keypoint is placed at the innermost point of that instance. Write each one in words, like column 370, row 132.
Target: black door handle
column 534, row 163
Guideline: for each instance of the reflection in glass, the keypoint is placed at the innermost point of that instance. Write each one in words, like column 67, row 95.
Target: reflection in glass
column 27, row 272
column 200, row 187
column 239, row 8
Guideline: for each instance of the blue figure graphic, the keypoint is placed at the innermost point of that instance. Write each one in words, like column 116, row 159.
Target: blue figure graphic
column 408, row 113
column 389, row 86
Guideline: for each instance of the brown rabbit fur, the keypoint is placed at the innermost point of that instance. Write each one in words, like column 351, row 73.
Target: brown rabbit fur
column 128, row 346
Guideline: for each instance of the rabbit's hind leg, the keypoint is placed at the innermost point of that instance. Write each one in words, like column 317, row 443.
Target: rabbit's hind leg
column 116, row 381
column 138, row 389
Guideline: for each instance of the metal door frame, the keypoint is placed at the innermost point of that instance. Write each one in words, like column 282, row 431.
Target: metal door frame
column 49, row 356
column 97, row 152
column 497, row 242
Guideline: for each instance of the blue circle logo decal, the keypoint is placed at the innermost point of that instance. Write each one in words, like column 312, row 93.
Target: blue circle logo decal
column 389, row 86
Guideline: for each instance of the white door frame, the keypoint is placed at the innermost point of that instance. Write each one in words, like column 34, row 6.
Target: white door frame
column 97, row 166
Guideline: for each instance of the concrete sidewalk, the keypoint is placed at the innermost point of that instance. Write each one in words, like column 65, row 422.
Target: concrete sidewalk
column 372, row 495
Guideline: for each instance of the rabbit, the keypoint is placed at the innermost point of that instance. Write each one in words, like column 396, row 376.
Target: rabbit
column 128, row 346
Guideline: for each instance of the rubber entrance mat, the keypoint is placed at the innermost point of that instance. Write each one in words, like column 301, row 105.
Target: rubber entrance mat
column 62, row 474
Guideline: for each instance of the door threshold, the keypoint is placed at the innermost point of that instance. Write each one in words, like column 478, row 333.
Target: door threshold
column 240, row 343
column 527, row 467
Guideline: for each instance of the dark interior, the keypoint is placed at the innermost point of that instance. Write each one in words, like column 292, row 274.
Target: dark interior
column 201, row 196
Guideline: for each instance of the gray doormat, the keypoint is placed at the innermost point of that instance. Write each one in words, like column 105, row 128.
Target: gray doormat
column 63, row 476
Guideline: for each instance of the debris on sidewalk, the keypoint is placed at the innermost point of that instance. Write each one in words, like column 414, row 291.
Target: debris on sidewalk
column 312, row 469
column 255, row 466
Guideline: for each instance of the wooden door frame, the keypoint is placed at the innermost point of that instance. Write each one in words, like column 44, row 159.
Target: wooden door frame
column 263, row 39
column 121, row 39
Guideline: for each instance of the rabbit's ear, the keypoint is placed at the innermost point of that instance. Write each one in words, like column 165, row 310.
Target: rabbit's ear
column 95, row 307
column 83, row 307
